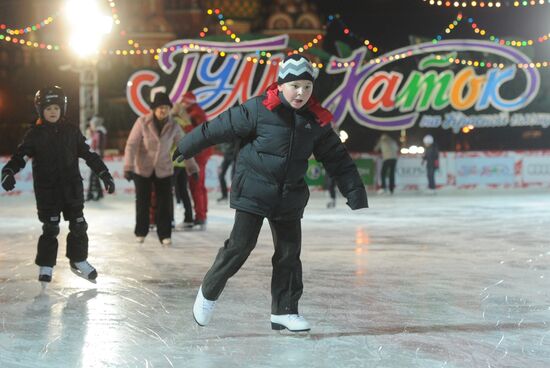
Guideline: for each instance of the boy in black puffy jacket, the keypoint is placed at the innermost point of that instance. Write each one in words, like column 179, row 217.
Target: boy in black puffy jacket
column 279, row 131
column 55, row 147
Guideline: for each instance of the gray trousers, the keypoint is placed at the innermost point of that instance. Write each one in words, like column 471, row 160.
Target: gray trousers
column 286, row 280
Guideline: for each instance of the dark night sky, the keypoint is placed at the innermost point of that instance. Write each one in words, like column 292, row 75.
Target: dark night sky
column 387, row 23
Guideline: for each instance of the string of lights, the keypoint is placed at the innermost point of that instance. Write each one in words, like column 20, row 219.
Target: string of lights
column 27, row 43
column 516, row 43
column 485, row 4
column 450, row 27
column 114, row 12
column 347, row 31
column 27, row 29
column 221, row 20
column 489, row 65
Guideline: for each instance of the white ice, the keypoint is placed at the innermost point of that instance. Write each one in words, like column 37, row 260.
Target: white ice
column 452, row 280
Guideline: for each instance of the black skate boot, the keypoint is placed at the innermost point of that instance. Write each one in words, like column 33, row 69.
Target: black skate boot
column 84, row 269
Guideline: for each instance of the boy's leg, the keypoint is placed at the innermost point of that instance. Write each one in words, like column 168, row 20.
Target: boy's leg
column 286, row 281
column 143, row 201
column 47, row 243
column 234, row 253
column 77, row 238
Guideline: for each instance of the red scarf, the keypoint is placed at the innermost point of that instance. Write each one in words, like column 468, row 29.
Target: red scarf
column 272, row 100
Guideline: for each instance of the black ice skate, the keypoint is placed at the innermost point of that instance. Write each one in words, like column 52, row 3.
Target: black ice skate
column 84, row 269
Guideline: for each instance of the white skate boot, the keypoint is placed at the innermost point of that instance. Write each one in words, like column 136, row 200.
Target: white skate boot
column 292, row 322
column 203, row 309
column 84, row 269
column 45, row 274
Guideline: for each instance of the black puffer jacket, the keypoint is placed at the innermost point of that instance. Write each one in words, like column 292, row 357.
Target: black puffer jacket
column 273, row 159
column 55, row 149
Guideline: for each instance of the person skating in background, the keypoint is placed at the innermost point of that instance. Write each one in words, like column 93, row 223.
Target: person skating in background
column 282, row 129
column 197, row 184
column 148, row 163
column 229, row 151
column 181, row 117
column 98, row 142
column 389, row 149
column 431, row 159
column 55, row 146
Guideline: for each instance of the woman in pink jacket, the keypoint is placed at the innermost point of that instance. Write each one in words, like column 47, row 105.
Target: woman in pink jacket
column 147, row 161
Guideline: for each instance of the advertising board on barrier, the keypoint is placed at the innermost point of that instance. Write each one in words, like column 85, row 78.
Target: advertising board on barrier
column 474, row 170
column 485, row 170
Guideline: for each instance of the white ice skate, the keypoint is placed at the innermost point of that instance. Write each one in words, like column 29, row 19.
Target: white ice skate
column 45, row 274
column 166, row 241
column 84, row 269
column 203, row 309
column 292, row 322
column 140, row 239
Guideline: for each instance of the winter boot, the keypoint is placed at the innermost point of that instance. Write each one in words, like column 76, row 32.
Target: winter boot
column 292, row 322
column 84, row 269
column 45, row 274
column 203, row 309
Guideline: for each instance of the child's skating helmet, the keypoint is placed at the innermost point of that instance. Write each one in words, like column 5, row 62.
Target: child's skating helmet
column 50, row 96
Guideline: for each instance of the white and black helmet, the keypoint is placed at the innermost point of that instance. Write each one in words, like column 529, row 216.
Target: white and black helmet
column 50, row 96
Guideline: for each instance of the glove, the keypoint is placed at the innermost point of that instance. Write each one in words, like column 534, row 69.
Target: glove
column 177, row 156
column 8, row 180
column 129, row 175
column 107, row 181
column 195, row 176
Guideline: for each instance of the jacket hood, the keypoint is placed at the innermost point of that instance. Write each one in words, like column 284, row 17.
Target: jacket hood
column 272, row 100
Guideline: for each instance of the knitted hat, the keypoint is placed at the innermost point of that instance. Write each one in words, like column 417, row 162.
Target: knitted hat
column 161, row 99
column 189, row 98
column 295, row 67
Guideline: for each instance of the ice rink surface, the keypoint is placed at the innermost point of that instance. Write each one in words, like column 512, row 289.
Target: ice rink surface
column 452, row 280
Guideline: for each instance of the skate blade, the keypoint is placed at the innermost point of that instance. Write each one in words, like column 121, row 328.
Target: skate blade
column 79, row 274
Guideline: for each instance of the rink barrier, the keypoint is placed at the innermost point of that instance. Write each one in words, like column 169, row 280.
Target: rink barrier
column 458, row 170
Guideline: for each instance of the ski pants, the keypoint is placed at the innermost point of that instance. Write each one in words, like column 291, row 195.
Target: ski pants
column 77, row 238
column 286, row 279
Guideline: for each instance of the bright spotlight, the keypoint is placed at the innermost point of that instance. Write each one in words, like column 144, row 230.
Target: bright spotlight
column 88, row 25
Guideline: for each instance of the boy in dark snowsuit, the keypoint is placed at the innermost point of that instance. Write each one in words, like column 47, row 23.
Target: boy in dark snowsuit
column 55, row 147
column 279, row 131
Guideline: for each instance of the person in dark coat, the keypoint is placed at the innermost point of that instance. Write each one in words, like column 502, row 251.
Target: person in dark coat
column 55, row 146
column 279, row 131
column 431, row 159
column 229, row 151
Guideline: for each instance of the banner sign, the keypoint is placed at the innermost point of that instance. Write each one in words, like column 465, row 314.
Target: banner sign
column 438, row 91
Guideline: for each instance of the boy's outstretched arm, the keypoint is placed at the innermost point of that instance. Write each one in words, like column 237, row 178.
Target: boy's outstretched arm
column 96, row 164
column 332, row 153
column 237, row 122
column 17, row 162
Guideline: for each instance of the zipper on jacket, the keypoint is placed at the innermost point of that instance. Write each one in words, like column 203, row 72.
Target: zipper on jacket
column 293, row 129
